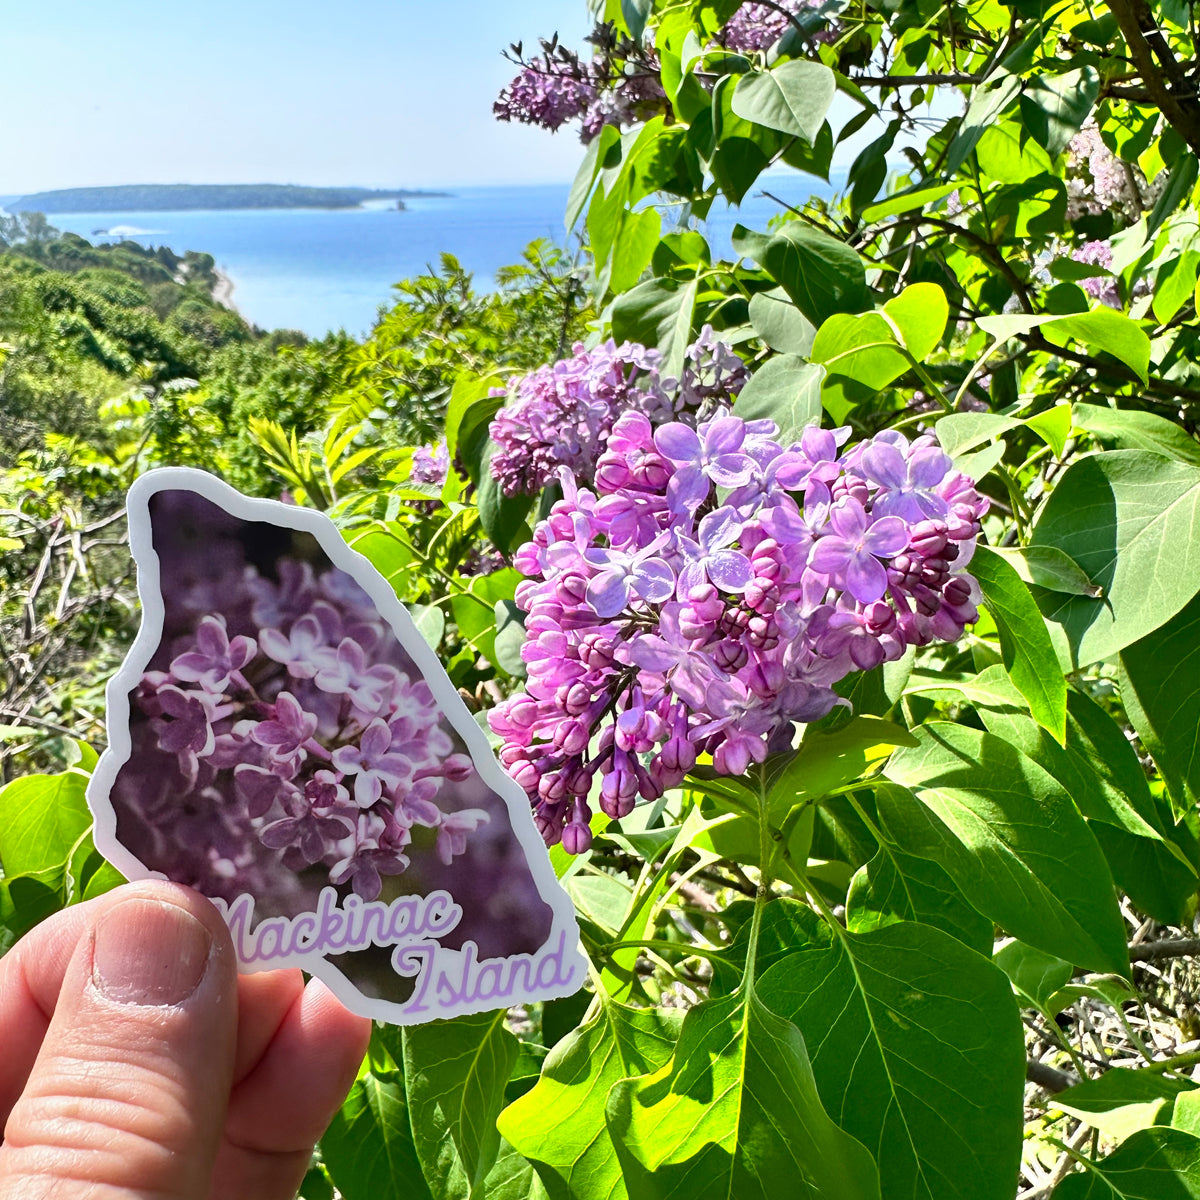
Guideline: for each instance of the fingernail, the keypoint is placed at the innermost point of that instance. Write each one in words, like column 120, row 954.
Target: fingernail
column 147, row 952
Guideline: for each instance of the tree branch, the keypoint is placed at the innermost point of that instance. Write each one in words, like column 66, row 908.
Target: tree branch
column 1050, row 1078
column 1167, row 84
column 1168, row 948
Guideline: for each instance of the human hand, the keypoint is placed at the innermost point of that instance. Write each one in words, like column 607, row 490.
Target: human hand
column 137, row 1063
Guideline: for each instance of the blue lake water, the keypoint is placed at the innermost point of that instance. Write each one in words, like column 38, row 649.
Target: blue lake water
column 318, row 270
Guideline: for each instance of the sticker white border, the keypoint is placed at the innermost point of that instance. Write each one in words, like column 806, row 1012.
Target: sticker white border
column 345, row 558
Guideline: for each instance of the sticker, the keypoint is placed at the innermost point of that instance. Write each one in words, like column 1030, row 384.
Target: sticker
column 283, row 740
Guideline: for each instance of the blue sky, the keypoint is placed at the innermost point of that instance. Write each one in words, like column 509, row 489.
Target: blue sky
column 370, row 92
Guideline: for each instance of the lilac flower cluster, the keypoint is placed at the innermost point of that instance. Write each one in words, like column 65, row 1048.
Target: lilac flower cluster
column 619, row 86
column 562, row 414
column 1102, row 287
column 758, row 26
column 1096, row 180
column 667, row 619
column 430, row 464
column 333, row 754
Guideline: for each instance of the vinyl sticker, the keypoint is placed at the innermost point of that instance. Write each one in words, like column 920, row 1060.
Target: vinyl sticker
column 283, row 740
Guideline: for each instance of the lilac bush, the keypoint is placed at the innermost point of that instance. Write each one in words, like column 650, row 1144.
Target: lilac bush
column 562, row 414
column 708, row 594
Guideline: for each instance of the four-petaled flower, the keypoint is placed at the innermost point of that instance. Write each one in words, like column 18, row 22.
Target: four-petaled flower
column 643, row 574
column 286, row 734
column 215, row 658
column 372, row 764
column 714, row 454
column 851, row 554
column 708, row 560
column 909, row 483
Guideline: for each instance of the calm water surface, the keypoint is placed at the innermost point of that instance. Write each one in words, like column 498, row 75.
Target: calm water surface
column 318, row 270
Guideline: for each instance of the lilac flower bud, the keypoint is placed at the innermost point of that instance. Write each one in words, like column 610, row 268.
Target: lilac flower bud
column 705, row 600
column 928, row 538
column 880, row 618
column 552, row 788
column 762, row 594
column 571, row 737
column 957, row 592
column 730, row 655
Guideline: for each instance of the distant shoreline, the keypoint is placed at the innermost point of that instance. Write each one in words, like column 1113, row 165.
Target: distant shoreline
column 183, row 197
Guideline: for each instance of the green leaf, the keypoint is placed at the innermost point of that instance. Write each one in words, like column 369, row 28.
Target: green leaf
column 41, row 819
column 1128, row 519
column 595, row 157
column 455, row 1073
column 1048, row 567
column 510, row 637
column 1025, row 644
column 988, row 100
column 470, row 410
column 1174, row 284
column 1132, row 429
column 573, row 1154
column 430, row 620
column 820, row 273
column 1120, row 1102
column 780, row 323
column 638, row 233
column 863, row 348
column 734, row 1113
column 1054, row 107
column 1107, row 331
column 788, row 391
column 368, row 1148
column 1180, row 180
column 1153, row 1164
column 919, row 314
column 907, row 201
column 895, row 886
column 1035, row 974
column 1160, row 689
column 28, row 899
column 905, row 1022
column 1010, row 838
column 502, row 517
column 960, row 432
column 658, row 313
column 826, row 760
column 792, row 97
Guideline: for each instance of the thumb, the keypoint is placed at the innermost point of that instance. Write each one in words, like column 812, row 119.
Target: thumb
column 128, row 1094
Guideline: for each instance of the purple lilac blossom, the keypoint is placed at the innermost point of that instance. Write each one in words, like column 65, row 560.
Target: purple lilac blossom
column 665, row 623
column 562, row 415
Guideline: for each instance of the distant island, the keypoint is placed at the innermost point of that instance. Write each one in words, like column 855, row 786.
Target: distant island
column 175, row 197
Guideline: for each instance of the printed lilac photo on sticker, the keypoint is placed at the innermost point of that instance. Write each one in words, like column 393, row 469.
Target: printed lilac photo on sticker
column 276, row 745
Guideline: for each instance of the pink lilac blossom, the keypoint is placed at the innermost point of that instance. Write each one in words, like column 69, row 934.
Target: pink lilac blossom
column 669, row 617
column 759, row 26
column 562, row 414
